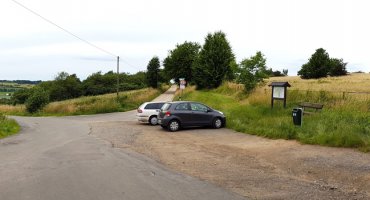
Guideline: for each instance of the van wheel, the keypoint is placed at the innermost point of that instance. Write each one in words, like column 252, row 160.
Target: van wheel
column 217, row 123
column 153, row 120
column 173, row 125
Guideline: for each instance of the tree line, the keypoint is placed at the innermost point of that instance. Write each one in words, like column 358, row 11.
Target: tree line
column 207, row 66
column 21, row 81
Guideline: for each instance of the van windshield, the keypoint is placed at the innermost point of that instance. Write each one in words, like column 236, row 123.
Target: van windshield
column 166, row 106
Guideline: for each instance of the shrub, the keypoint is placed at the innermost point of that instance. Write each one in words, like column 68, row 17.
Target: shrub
column 20, row 96
column 37, row 100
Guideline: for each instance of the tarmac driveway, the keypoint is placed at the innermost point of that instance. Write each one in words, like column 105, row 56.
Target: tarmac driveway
column 58, row 158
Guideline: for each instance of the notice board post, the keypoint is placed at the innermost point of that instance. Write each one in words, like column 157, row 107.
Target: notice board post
column 182, row 85
column 279, row 92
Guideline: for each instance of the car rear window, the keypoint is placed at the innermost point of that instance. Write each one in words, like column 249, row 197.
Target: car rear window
column 182, row 106
column 166, row 106
column 153, row 106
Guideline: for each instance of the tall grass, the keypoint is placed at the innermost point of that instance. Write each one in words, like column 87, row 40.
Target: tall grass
column 7, row 126
column 12, row 110
column 102, row 103
column 343, row 122
column 91, row 105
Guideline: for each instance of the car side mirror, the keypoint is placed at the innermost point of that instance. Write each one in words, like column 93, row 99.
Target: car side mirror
column 209, row 110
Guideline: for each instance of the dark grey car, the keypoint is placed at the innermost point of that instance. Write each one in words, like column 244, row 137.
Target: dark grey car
column 180, row 114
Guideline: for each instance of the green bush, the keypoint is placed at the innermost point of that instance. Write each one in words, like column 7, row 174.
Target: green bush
column 37, row 100
column 7, row 126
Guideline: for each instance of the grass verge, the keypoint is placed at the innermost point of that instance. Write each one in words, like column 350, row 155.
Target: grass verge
column 342, row 122
column 8, row 127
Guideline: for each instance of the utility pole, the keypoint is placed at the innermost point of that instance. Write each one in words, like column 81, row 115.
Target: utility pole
column 117, row 77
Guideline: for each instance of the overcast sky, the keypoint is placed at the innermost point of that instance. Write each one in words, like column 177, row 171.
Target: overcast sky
column 286, row 31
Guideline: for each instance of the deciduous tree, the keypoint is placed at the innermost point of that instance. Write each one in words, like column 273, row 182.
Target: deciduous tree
column 180, row 60
column 317, row 66
column 213, row 62
column 338, row 67
column 152, row 72
column 252, row 71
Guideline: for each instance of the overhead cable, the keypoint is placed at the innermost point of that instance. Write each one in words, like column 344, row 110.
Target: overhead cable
column 65, row 30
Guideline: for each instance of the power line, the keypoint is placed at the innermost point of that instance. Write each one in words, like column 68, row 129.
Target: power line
column 70, row 33
column 65, row 30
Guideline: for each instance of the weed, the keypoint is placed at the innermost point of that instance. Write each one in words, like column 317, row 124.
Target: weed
column 7, row 126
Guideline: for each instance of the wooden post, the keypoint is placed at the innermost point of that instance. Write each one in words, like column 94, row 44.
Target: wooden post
column 285, row 94
column 117, row 77
column 272, row 97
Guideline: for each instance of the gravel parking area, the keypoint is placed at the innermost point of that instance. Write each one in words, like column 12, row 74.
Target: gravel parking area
column 252, row 166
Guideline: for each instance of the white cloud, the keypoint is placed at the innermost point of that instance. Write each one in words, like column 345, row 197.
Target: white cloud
column 286, row 31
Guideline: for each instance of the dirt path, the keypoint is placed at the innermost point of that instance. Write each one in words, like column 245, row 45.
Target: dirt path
column 168, row 95
column 248, row 165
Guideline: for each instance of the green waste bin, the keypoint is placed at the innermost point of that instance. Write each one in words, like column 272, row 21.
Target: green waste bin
column 297, row 115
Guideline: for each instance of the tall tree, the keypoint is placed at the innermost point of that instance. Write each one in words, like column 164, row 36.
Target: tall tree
column 213, row 62
column 252, row 71
column 318, row 65
column 179, row 62
column 152, row 72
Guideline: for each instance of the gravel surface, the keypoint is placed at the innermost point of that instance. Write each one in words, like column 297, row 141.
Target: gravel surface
column 251, row 166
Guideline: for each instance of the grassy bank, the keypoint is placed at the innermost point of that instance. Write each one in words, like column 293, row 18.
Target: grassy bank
column 7, row 127
column 91, row 105
column 344, row 121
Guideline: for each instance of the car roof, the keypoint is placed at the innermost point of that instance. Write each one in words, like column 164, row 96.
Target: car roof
column 183, row 102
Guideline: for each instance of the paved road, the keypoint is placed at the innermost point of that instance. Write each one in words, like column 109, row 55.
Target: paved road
column 56, row 158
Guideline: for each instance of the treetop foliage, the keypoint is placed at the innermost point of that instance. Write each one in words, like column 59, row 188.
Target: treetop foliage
column 153, row 72
column 321, row 65
column 252, row 71
column 213, row 62
column 179, row 62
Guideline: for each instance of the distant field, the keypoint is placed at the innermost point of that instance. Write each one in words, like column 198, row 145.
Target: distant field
column 10, row 88
column 358, row 82
column 4, row 96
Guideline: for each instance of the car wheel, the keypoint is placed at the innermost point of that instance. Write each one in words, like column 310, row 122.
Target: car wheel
column 173, row 125
column 217, row 123
column 153, row 120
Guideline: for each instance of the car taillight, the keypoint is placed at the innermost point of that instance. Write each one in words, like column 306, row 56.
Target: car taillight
column 139, row 110
column 168, row 113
